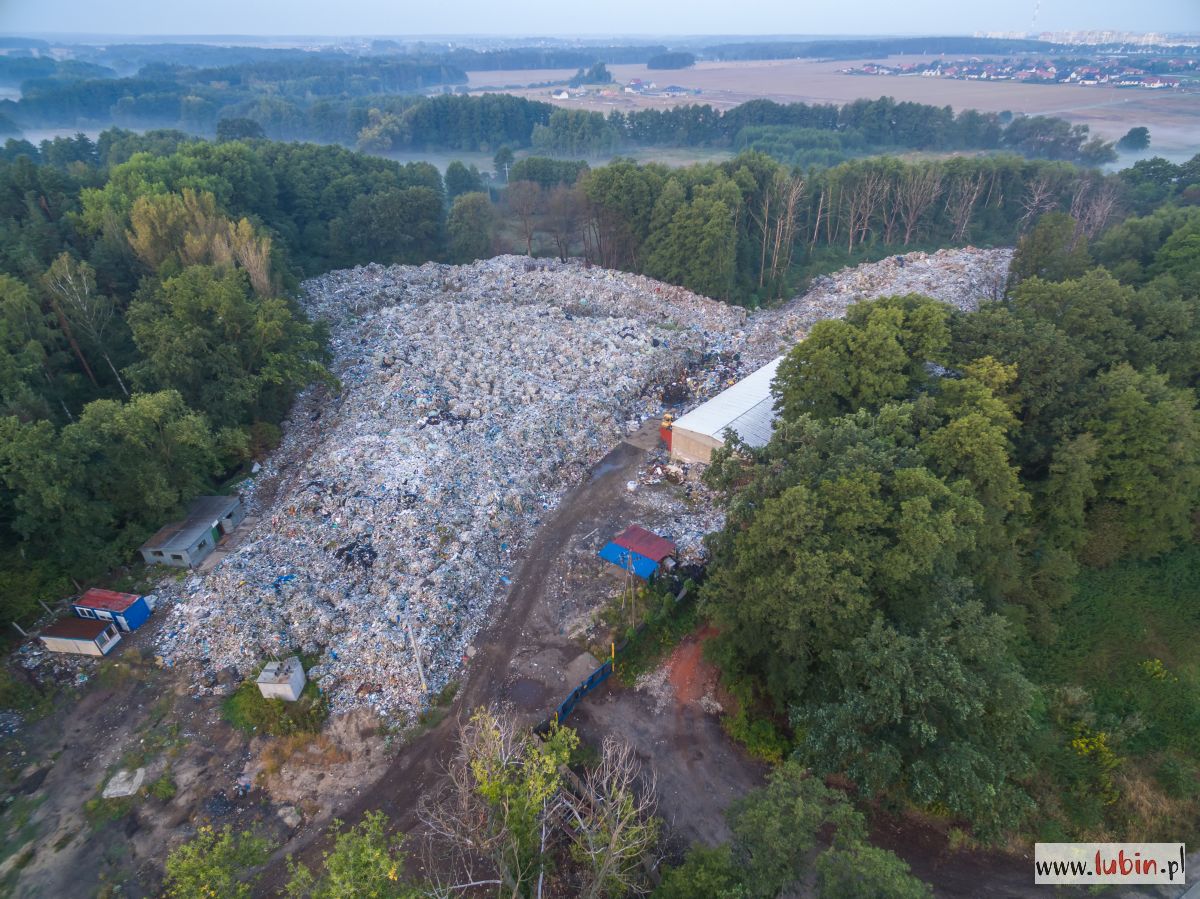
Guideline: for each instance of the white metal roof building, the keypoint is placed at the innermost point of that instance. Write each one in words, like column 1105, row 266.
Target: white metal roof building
column 747, row 408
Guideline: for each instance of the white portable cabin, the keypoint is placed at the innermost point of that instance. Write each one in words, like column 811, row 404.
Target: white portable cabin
column 282, row 680
column 80, row 636
column 747, row 408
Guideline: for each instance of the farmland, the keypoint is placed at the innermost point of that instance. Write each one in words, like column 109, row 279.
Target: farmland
column 1173, row 117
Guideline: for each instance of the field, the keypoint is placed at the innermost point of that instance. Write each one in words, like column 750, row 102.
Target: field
column 1173, row 117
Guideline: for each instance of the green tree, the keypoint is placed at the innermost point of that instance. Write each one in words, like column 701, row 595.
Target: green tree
column 1092, row 311
column 393, row 225
column 471, row 227
column 864, row 870
column 502, row 161
column 708, row 873
column 776, row 828
column 237, row 356
column 461, row 180
column 28, row 345
column 876, row 354
column 938, row 714
column 214, row 864
column 239, row 129
column 365, row 863
column 1148, row 462
column 1135, row 140
column 1054, row 250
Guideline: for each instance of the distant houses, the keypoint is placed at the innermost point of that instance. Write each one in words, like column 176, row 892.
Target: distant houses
column 187, row 543
column 1114, row 71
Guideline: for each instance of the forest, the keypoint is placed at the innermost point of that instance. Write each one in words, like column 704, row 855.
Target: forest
column 962, row 573
column 149, row 285
column 390, row 104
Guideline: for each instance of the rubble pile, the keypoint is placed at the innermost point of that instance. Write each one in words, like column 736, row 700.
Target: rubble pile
column 962, row 277
column 472, row 398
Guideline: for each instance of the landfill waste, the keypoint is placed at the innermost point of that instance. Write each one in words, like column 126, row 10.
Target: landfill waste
column 471, row 399
column 962, row 277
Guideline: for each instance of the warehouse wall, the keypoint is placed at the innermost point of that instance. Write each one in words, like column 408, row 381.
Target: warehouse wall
column 689, row 446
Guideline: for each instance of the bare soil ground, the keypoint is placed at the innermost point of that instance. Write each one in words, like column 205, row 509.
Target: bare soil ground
column 133, row 714
column 1172, row 116
column 676, row 731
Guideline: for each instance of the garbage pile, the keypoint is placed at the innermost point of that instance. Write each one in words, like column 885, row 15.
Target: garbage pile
column 472, row 398
column 962, row 277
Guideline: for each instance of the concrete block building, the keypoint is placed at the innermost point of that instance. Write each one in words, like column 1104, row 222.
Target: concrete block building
column 187, row 543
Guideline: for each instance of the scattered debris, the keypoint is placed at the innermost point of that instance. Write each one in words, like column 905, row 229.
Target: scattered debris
column 124, row 783
column 962, row 277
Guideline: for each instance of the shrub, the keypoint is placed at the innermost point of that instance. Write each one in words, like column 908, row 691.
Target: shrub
column 213, row 864
column 252, row 713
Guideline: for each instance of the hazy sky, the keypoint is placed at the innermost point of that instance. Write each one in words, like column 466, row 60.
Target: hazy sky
column 588, row 17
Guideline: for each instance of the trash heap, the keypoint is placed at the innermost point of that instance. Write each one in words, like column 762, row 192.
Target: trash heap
column 962, row 277
column 472, row 398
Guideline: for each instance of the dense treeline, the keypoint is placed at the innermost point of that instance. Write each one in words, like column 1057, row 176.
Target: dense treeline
column 743, row 230
column 290, row 97
column 852, row 129
column 149, row 339
column 363, row 100
column 898, row 560
column 675, row 60
column 515, row 58
column 16, row 69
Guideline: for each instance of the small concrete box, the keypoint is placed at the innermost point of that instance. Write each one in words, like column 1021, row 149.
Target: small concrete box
column 282, row 680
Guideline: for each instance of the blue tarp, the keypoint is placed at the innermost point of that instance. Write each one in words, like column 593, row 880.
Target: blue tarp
column 626, row 559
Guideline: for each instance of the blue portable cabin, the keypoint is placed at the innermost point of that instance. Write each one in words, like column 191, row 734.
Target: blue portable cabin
column 628, row 560
column 128, row 610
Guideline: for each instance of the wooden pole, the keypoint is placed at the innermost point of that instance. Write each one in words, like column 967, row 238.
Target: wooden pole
column 417, row 655
column 46, row 607
column 20, row 629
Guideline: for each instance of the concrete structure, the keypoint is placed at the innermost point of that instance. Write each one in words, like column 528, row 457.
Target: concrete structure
column 126, row 609
column 282, row 680
column 185, row 544
column 88, row 638
column 747, row 408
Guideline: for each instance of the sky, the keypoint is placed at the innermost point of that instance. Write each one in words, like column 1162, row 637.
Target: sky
column 588, row 17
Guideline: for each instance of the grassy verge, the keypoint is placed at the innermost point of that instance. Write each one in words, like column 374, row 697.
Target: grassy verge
column 663, row 624
column 253, row 714
column 1119, row 751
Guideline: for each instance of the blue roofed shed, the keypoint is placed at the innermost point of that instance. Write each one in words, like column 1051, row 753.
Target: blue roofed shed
column 628, row 560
